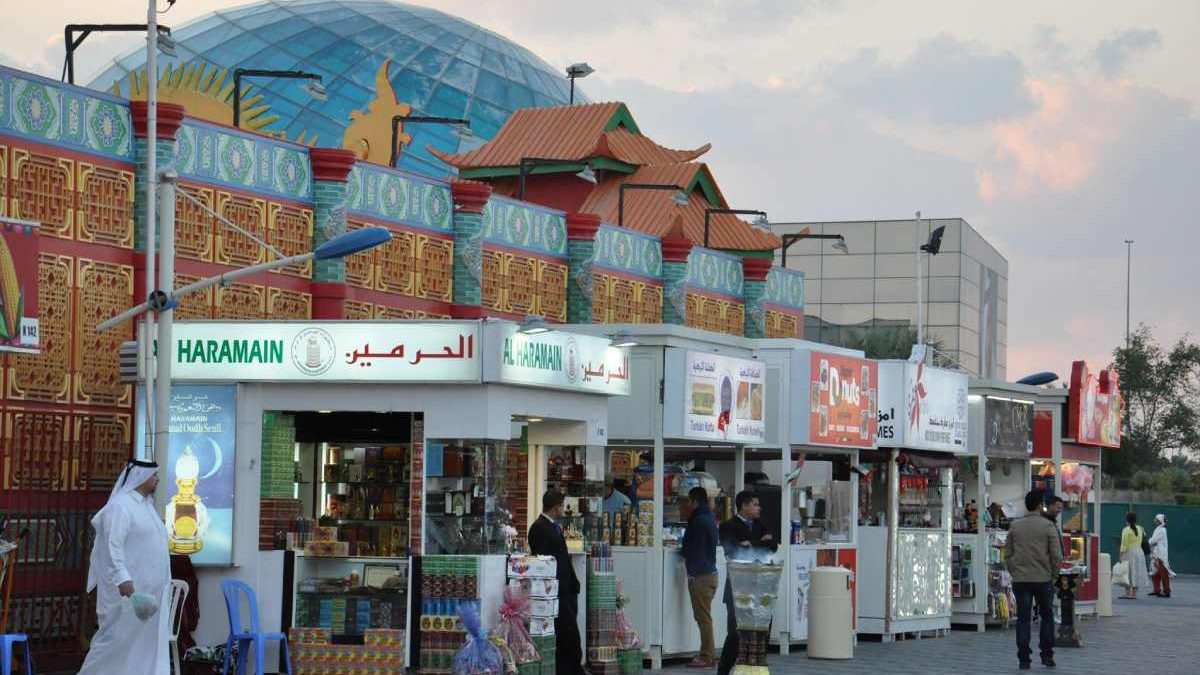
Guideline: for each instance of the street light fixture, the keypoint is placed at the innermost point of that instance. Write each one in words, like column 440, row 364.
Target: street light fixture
column 762, row 215
column 575, row 71
column 75, row 33
column 462, row 129
column 932, row 247
column 314, row 88
column 839, row 241
column 527, row 164
column 680, row 197
column 623, row 339
column 534, row 325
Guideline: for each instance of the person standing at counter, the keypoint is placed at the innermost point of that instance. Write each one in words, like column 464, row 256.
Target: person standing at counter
column 1034, row 552
column 739, row 536
column 546, row 538
column 616, row 499
column 699, row 549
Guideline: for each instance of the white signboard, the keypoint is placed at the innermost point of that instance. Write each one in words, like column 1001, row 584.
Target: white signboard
column 555, row 360
column 724, row 398
column 922, row 407
column 329, row 351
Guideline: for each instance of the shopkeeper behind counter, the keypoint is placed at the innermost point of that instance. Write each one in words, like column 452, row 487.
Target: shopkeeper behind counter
column 615, row 500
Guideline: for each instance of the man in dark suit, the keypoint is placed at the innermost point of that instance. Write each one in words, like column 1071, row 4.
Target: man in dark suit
column 546, row 538
column 739, row 536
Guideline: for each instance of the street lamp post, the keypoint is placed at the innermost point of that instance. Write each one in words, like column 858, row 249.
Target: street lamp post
column 314, row 87
column 575, row 71
column 1128, row 287
column 527, row 164
column 932, row 247
column 462, row 128
column 680, row 197
column 762, row 217
column 839, row 241
column 75, row 33
column 151, row 203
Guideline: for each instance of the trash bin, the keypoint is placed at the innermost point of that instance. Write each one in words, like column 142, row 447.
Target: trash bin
column 830, row 614
column 1104, row 580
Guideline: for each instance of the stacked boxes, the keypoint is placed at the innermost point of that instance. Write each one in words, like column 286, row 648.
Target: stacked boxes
column 537, row 576
column 446, row 583
column 275, row 517
column 602, row 612
column 313, row 653
column 278, row 508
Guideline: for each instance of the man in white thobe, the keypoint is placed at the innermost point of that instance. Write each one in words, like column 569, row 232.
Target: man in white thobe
column 130, row 556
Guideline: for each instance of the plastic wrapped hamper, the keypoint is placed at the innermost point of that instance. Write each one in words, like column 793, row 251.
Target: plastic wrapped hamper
column 755, row 590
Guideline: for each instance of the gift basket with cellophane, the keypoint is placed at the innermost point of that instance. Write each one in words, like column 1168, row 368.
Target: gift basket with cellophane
column 755, row 585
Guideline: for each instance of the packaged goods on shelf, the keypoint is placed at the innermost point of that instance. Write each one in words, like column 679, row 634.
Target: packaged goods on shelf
column 541, row 626
column 532, row 566
column 313, row 653
column 535, row 587
column 630, row 661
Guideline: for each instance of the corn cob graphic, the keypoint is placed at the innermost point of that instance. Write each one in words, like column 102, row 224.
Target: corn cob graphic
column 10, row 293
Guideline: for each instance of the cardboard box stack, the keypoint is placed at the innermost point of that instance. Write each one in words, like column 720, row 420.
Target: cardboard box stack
column 313, row 653
column 446, row 583
column 278, row 508
column 602, row 612
column 537, row 577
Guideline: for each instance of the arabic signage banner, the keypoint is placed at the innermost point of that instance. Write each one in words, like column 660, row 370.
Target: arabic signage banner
column 200, row 471
column 555, row 360
column 922, row 407
column 332, row 351
column 18, row 286
column 1094, row 407
column 1008, row 427
column 842, row 395
column 724, row 398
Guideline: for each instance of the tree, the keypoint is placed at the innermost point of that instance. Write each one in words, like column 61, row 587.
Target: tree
column 1162, row 402
column 887, row 342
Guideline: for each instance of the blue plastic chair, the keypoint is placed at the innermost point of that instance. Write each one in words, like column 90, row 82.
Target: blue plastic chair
column 233, row 591
column 6, row 652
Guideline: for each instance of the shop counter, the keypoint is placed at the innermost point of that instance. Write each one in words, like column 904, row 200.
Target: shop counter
column 920, row 572
column 660, row 609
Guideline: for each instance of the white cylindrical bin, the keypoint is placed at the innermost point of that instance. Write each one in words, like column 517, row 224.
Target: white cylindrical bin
column 830, row 614
column 1104, row 599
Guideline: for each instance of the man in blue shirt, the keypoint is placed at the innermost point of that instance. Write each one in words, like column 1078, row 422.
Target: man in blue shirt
column 699, row 549
column 616, row 499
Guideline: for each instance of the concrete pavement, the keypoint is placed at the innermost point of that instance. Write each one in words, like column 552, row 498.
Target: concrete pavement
column 1147, row 636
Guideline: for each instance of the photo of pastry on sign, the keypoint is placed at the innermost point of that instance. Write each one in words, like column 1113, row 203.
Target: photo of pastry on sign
column 843, row 400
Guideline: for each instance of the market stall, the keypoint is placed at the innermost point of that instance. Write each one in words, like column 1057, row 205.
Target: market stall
column 697, row 415
column 905, row 500
column 373, row 496
column 828, row 414
column 989, row 492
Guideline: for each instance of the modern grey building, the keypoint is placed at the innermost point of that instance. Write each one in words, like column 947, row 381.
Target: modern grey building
column 873, row 285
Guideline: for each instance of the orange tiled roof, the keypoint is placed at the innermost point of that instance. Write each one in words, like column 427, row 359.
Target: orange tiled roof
column 570, row 133
column 654, row 211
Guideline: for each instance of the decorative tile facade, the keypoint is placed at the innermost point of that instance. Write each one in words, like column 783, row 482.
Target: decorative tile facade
column 73, row 118
column 244, row 161
column 521, row 286
column 397, row 197
column 720, row 315
column 628, row 251
column 785, row 288
column 530, row 228
column 412, row 264
column 715, row 272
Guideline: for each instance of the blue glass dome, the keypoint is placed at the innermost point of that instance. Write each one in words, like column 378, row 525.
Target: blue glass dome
column 441, row 65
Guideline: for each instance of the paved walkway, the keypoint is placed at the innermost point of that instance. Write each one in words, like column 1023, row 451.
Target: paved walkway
column 1148, row 636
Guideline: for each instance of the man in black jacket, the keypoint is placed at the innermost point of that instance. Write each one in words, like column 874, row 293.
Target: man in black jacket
column 546, row 538
column 739, row 536
column 699, row 550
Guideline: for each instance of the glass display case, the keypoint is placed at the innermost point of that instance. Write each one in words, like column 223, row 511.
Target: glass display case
column 584, row 520
column 466, row 511
column 822, row 501
column 350, row 595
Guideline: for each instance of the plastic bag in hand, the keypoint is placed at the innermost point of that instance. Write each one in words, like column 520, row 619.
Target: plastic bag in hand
column 144, row 605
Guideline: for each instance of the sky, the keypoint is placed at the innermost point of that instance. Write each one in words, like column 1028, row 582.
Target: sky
column 1057, row 129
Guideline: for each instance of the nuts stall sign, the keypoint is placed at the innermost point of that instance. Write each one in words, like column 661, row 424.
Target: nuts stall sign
column 843, row 395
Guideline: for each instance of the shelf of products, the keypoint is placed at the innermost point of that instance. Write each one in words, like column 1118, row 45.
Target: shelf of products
column 962, row 565
column 1002, row 603
column 365, row 495
column 447, row 583
column 466, row 510
column 822, row 501
column 348, row 596
column 584, row 518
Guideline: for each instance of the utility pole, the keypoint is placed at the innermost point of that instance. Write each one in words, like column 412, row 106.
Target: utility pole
column 147, row 335
column 920, row 291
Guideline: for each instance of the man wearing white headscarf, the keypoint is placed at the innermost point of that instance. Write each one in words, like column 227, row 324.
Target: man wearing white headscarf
column 1161, row 573
column 130, row 557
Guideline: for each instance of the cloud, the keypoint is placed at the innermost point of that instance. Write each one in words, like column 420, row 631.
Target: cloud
column 945, row 81
column 1113, row 54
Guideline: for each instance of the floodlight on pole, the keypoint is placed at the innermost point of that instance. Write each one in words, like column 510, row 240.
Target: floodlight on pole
column 679, row 198
column 458, row 125
column 75, row 33
column 317, row 92
column 839, row 241
column 743, row 212
column 533, row 325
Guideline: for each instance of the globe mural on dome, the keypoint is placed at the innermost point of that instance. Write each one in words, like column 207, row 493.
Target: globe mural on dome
column 376, row 58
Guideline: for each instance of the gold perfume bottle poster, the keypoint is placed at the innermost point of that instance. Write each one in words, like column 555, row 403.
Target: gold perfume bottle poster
column 200, row 472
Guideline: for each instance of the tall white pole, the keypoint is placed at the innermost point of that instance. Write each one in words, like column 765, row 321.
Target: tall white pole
column 166, row 284
column 920, row 291
column 1128, row 285
column 147, row 335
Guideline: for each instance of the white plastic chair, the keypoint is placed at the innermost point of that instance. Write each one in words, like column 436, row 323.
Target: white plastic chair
column 179, row 593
